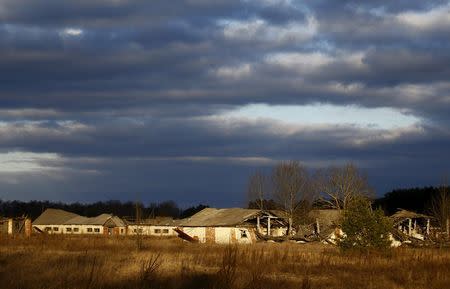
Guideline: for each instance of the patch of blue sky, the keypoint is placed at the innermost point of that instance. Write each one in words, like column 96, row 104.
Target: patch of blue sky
column 315, row 114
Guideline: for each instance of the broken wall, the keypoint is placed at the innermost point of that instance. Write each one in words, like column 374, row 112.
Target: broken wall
column 15, row 226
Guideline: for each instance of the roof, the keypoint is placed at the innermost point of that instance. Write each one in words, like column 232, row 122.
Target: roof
column 405, row 214
column 212, row 217
column 99, row 220
column 61, row 217
column 118, row 221
column 159, row 221
column 54, row 217
column 279, row 213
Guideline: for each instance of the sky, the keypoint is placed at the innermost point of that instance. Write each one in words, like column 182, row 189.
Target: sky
column 182, row 100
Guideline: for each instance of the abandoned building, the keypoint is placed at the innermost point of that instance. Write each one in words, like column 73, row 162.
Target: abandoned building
column 231, row 226
column 411, row 224
column 158, row 226
column 55, row 221
column 15, row 226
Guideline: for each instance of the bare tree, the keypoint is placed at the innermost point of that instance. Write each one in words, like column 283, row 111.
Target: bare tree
column 338, row 186
column 257, row 189
column 440, row 208
column 291, row 187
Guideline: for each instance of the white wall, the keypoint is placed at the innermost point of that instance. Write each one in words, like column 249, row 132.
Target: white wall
column 10, row 226
column 51, row 228
column 199, row 232
column 243, row 235
column 62, row 229
column 223, row 235
column 152, row 230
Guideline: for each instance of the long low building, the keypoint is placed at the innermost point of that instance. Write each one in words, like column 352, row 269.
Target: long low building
column 55, row 221
column 221, row 226
column 158, row 226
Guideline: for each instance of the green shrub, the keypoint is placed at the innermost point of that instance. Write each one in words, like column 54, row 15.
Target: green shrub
column 365, row 228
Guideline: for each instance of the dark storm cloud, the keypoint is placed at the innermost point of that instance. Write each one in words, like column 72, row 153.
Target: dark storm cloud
column 217, row 137
column 208, row 158
column 353, row 29
column 385, row 67
column 134, row 13
column 333, row 7
column 102, row 13
column 121, row 96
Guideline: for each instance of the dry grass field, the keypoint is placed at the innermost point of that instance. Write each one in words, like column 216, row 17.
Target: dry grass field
column 85, row 262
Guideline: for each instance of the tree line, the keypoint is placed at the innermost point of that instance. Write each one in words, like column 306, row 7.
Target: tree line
column 33, row 209
column 414, row 199
column 290, row 187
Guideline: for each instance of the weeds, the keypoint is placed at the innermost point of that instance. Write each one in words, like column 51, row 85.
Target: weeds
column 110, row 263
column 306, row 283
column 148, row 274
column 90, row 280
column 258, row 269
column 226, row 277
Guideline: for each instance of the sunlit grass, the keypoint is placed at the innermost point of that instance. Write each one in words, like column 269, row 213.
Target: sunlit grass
column 82, row 262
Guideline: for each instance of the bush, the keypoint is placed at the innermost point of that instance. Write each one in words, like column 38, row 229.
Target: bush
column 365, row 228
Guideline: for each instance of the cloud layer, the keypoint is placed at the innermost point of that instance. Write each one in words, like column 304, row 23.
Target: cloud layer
column 103, row 99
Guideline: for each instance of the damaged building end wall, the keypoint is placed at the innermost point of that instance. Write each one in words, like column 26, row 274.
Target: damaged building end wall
column 221, row 235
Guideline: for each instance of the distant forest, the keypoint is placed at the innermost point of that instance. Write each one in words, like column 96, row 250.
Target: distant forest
column 33, row 209
column 414, row 199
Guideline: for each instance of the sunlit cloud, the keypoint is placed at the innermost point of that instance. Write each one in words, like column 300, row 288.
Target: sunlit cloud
column 21, row 162
column 375, row 118
column 261, row 30
column 438, row 17
column 72, row 32
column 234, row 72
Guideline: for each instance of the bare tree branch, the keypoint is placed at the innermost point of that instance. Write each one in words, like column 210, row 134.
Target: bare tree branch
column 291, row 184
column 257, row 189
column 337, row 186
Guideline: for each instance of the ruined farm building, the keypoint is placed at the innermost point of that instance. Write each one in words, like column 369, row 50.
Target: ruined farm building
column 231, row 226
column 55, row 221
column 411, row 224
column 15, row 226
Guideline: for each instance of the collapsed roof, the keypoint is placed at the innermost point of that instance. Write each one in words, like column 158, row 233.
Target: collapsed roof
column 212, row 217
column 402, row 214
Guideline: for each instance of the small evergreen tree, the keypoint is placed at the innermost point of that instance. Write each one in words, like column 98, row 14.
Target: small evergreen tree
column 364, row 228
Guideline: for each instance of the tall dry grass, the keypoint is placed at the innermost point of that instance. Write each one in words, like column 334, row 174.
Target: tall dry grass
column 98, row 262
